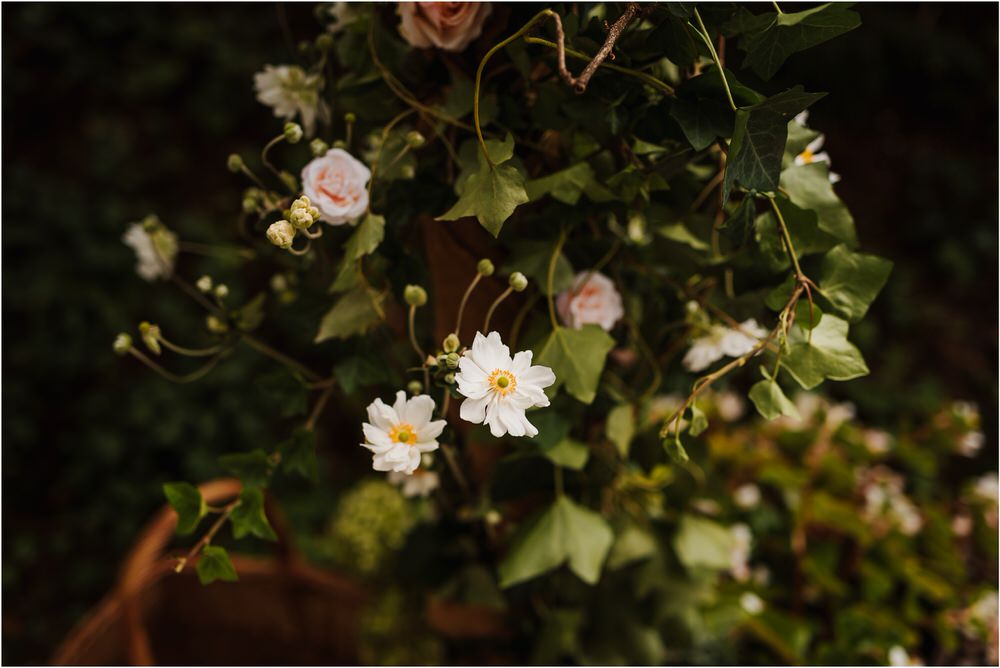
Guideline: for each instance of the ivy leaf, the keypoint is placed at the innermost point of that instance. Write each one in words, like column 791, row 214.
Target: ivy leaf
column 492, row 193
column 699, row 423
column 354, row 313
column 532, row 258
column 675, row 449
column 803, row 228
column 702, row 543
column 359, row 371
column 249, row 316
column 631, row 545
column 568, row 453
column 807, row 315
column 248, row 517
column 366, row 238
column 759, row 140
column 286, row 391
column 577, row 358
column 738, row 225
column 702, row 121
column 214, row 564
column 769, row 39
column 851, row 281
column 253, row 468
column 827, row 354
column 298, row 454
column 809, row 187
column 568, row 185
column 620, row 427
column 562, row 533
column 187, row 502
column 770, row 401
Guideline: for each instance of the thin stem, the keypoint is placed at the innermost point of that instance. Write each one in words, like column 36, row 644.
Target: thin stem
column 493, row 307
column 799, row 276
column 515, row 328
column 662, row 86
column 265, row 349
column 215, row 251
column 318, row 408
column 312, row 235
column 551, row 275
column 465, row 298
column 194, row 294
column 190, row 352
column 263, row 155
column 253, row 177
column 172, row 377
column 385, row 135
column 777, row 8
column 715, row 56
column 209, row 535
column 456, row 472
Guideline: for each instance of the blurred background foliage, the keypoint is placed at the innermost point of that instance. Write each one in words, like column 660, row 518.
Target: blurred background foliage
column 110, row 113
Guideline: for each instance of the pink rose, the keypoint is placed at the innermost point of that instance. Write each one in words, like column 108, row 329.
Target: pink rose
column 446, row 25
column 592, row 302
column 337, row 185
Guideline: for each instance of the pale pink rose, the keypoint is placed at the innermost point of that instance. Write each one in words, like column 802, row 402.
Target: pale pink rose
column 446, row 25
column 337, row 185
column 591, row 301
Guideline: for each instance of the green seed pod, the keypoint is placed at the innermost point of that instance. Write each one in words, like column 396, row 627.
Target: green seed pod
column 414, row 295
column 122, row 344
column 293, row 132
column 414, row 139
column 451, row 343
column 451, row 361
column 318, row 147
column 234, row 162
column 485, row 267
column 518, row 281
column 415, row 387
column 204, row 284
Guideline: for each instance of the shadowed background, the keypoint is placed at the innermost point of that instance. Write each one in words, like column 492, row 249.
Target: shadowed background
column 111, row 112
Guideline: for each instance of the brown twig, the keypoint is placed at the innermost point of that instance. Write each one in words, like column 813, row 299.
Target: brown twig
column 209, row 535
column 579, row 83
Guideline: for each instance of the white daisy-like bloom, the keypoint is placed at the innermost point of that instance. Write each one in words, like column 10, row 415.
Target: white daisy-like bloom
column 721, row 342
column 498, row 388
column 812, row 152
column 399, row 434
column 419, row 483
column 289, row 90
column 155, row 249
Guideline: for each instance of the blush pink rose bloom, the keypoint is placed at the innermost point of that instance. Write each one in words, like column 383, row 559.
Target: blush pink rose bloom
column 591, row 301
column 337, row 185
column 446, row 25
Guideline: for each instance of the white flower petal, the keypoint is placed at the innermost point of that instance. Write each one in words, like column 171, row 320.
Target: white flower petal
column 474, row 409
column 375, row 435
column 430, row 431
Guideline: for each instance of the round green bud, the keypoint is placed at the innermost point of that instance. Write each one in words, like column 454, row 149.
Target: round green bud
column 407, row 171
column 324, row 42
column 204, row 283
column 150, row 334
column 300, row 203
column 293, row 132
column 249, row 205
column 485, row 267
column 415, row 387
column 340, row 143
column 414, row 295
column 216, row 325
column 449, row 378
column 151, row 223
column 451, row 343
column 314, row 212
column 451, row 361
column 350, row 117
column 518, row 281
column 221, row 290
column 414, row 139
column 234, row 162
column 318, row 147
column 281, row 234
column 301, row 219
column 122, row 344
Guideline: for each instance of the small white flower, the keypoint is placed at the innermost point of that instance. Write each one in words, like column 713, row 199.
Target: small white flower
column 592, row 300
column 289, row 90
column 337, row 184
column 970, row 443
column 730, row 405
column 155, row 248
column 499, row 389
column 399, row 434
column 813, row 154
column 742, row 546
column 343, row 14
column 900, row 657
column 751, row 603
column 802, row 118
column 747, row 495
column 986, row 488
column 967, row 410
column 419, row 483
column 722, row 341
column 876, row 441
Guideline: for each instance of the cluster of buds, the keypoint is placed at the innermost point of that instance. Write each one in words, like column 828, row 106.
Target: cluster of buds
column 300, row 216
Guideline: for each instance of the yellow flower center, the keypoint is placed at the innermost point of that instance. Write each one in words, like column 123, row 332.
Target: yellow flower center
column 806, row 156
column 502, row 381
column 402, row 433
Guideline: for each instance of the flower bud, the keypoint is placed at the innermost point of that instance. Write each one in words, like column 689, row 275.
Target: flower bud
column 216, row 325
column 314, row 212
column 318, row 147
column 350, row 117
column 449, row 379
column 300, row 203
column 221, row 290
column 279, row 283
column 151, row 223
column 493, row 518
column 518, row 281
column 300, row 218
column 235, row 162
column 414, row 139
column 340, row 143
column 249, row 205
column 122, row 344
column 407, row 172
column 281, row 234
column 485, row 267
column 324, row 42
column 415, row 387
column 414, row 295
column 150, row 336
column 451, row 361
column 451, row 343
column 204, row 283
column 293, row 132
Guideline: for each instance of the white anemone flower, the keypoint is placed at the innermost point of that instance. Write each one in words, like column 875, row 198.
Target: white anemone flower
column 420, row 483
column 499, row 389
column 155, row 249
column 812, row 151
column 721, row 342
column 289, row 90
column 399, row 434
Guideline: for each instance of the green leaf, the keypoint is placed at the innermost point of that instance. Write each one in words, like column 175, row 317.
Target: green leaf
column 807, row 315
column 620, row 427
column 354, row 313
column 577, row 358
column 562, row 533
column 769, row 39
column 493, row 192
column 298, row 454
column 702, row 543
column 214, row 564
column 828, row 354
column 357, row 371
column 567, row 185
column 851, row 281
column 249, row 316
column 366, row 238
column 532, row 258
column 285, row 391
column 809, row 187
column 631, row 545
column 253, row 468
column 187, row 502
column 702, row 120
column 759, row 140
column 568, row 453
column 779, row 296
column 675, row 449
column 699, row 423
column 770, row 401
column 248, row 517
column 803, row 228
column 681, row 234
